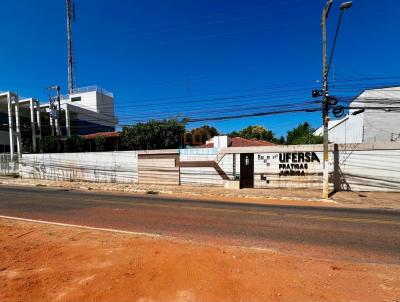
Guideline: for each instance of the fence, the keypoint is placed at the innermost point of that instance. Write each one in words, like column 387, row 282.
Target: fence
column 8, row 165
column 356, row 167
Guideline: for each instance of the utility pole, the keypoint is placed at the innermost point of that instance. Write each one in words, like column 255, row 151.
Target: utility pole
column 325, row 101
column 70, row 17
column 325, row 92
column 58, row 111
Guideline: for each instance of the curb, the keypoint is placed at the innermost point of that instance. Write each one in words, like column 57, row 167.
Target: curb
column 169, row 192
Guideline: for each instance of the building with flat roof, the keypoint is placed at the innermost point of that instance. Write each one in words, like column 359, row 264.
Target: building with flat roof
column 85, row 111
column 374, row 117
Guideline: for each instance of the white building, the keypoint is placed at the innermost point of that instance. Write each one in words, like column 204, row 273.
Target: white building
column 87, row 110
column 374, row 117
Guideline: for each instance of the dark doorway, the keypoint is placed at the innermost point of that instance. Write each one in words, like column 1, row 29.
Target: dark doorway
column 247, row 170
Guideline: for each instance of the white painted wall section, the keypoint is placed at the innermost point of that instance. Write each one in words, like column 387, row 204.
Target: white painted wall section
column 115, row 167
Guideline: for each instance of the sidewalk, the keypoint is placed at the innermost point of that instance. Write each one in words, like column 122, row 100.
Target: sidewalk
column 297, row 196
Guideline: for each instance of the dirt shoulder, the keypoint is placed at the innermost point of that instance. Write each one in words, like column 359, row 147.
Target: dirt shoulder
column 258, row 196
column 41, row 262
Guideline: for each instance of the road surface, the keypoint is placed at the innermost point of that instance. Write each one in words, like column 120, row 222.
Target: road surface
column 357, row 235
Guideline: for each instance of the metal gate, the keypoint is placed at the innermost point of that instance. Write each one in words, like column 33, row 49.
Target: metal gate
column 247, row 170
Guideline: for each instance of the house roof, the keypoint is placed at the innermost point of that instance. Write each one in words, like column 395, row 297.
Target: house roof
column 242, row 142
column 101, row 134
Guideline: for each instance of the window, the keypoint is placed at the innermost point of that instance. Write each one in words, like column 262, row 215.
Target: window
column 76, row 99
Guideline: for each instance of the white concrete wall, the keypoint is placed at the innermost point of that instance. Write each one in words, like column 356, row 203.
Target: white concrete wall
column 8, row 165
column 357, row 167
column 268, row 169
column 381, row 126
column 95, row 166
column 199, row 176
column 205, row 176
column 98, row 108
column 369, row 170
column 220, row 141
column 105, row 104
column 350, row 131
column 88, row 100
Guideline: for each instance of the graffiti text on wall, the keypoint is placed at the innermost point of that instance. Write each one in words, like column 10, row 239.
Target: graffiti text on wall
column 296, row 163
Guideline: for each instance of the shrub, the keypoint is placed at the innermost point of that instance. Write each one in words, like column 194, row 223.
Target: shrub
column 50, row 144
column 74, row 143
column 100, row 142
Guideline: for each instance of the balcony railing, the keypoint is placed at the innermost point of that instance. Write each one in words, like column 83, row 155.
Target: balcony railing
column 88, row 89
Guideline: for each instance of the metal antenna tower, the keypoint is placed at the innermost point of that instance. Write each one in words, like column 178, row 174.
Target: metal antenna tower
column 70, row 18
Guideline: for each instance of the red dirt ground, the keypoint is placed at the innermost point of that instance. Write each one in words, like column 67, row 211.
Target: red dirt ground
column 51, row 263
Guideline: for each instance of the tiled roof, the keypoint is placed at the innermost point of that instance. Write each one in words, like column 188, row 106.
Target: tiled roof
column 243, row 142
column 102, row 134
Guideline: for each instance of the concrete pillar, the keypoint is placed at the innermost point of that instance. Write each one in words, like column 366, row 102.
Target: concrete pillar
column 33, row 127
column 52, row 126
column 57, row 126
column 67, row 121
column 39, row 122
column 10, row 124
column 17, row 126
column 234, row 165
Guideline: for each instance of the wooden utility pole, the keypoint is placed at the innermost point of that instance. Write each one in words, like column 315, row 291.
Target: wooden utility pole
column 325, row 91
column 325, row 100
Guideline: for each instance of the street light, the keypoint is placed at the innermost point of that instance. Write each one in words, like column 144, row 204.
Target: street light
column 346, row 5
column 325, row 102
column 343, row 7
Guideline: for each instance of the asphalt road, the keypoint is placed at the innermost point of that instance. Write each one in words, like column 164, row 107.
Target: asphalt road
column 357, row 235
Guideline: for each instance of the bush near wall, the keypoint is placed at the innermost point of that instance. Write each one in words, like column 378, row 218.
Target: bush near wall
column 54, row 144
column 100, row 142
column 164, row 134
column 75, row 143
column 50, row 144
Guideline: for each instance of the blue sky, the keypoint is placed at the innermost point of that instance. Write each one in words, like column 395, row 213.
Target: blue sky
column 179, row 57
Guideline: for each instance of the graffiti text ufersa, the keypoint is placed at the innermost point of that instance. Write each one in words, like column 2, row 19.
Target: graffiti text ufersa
column 298, row 157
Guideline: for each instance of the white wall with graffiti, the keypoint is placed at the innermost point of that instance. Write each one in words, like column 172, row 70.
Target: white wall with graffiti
column 115, row 167
column 357, row 167
column 289, row 169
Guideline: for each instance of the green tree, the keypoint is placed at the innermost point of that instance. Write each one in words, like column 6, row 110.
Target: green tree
column 302, row 135
column 100, row 142
column 280, row 141
column 50, row 144
column 198, row 136
column 254, row 132
column 75, row 143
column 165, row 134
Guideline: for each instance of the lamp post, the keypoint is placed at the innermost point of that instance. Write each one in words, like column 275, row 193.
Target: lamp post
column 325, row 95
